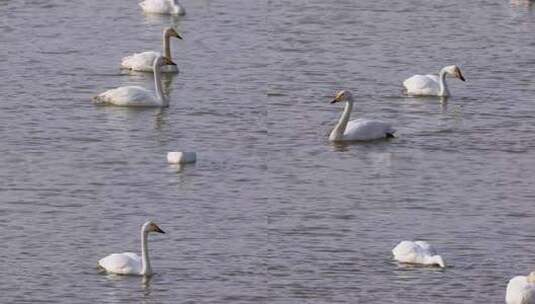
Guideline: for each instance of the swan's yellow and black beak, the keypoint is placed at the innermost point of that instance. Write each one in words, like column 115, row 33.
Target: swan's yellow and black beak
column 178, row 36
column 338, row 98
column 157, row 229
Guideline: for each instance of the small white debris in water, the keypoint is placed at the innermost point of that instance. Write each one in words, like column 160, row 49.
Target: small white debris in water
column 181, row 157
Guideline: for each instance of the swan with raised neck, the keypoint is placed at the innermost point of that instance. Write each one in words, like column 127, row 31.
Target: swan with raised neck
column 142, row 62
column 431, row 84
column 129, row 263
column 135, row 96
column 359, row 129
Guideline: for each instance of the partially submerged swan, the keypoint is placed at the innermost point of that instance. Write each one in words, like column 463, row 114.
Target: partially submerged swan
column 418, row 252
column 358, row 129
column 135, row 96
column 181, row 157
column 143, row 61
column 432, row 84
column 521, row 290
column 168, row 7
column 129, row 262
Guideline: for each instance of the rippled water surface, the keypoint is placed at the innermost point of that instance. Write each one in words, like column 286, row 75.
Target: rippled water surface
column 271, row 212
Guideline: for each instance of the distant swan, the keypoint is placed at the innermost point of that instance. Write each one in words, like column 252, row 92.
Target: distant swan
column 129, row 262
column 135, row 96
column 170, row 7
column 418, row 252
column 432, row 84
column 358, row 129
column 143, row 61
column 521, row 290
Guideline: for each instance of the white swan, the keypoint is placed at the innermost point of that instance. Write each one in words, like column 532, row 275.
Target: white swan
column 129, row 262
column 168, row 7
column 358, row 129
column 134, row 96
column 432, row 84
column 418, row 252
column 521, row 290
column 143, row 61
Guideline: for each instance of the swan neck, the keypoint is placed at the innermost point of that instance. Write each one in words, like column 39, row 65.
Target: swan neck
column 443, row 85
column 166, row 46
column 158, row 86
column 338, row 131
column 145, row 262
column 436, row 260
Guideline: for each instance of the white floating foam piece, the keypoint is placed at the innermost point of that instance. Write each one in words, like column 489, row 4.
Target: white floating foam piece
column 181, row 157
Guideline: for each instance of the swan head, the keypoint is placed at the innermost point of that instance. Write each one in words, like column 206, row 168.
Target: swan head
column 437, row 260
column 171, row 32
column 343, row 95
column 149, row 226
column 531, row 278
column 454, row 71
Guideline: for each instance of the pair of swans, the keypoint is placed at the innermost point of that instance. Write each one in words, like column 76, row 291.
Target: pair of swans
column 365, row 129
column 135, row 96
column 520, row 289
column 129, row 263
column 167, row 7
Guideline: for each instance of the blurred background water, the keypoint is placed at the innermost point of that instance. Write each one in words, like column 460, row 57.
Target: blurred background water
column 272, row 212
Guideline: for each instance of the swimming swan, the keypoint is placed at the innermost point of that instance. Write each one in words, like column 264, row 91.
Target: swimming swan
column 432, row 84
column 134, row 96
column 521, row 290
column 143, row 61
column 358, row 129
column 418, row 252
column 168, row 7
column 129, row 262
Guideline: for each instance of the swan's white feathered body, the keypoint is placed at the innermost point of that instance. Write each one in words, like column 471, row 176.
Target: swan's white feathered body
column 358, row 129
column 135, row 96
column 142, row 62
column 129, row 96
column 162, row 7
column 122, row 263
column 367, row 129
column 422, row 85
column 432, row 84
column 521, row 290
column 418, row 252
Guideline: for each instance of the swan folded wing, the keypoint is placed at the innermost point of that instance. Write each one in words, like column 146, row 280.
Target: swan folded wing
column 406, row 252
column 140, row 61
column 426, row 247
column 128, row 96
column 121, row 263
column 422, row 84
column 160, row 6
column 365, row 129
